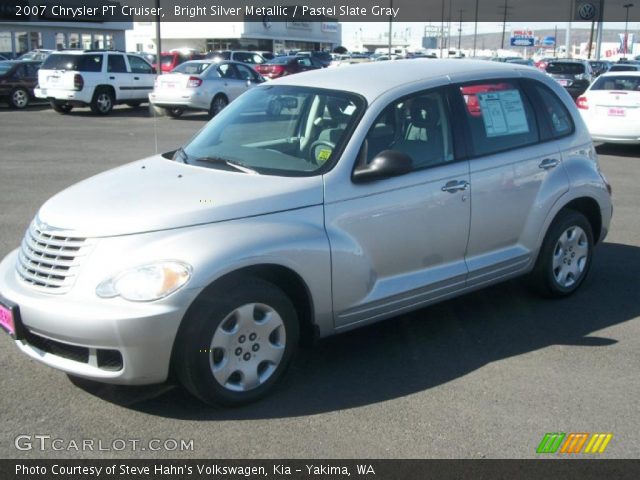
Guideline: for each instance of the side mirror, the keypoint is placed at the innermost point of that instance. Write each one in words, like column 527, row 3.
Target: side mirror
column 388, row 163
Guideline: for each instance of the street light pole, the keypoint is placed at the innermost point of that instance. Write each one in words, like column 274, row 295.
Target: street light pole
column 626, row 25
column 460, row 31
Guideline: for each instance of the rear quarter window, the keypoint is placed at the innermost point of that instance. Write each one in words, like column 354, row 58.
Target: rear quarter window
column 80, row 63
column 555, row 113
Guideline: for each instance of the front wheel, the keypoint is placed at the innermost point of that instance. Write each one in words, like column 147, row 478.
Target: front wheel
column 174, row 112
column 565, row 256
column 236, row 343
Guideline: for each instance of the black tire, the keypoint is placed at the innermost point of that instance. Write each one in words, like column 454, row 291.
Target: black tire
column 102, row 101
column 61, row 107
column 174, row 112
column 201, row 364
column 19, row 98
column 565, row 256
column 218, row 104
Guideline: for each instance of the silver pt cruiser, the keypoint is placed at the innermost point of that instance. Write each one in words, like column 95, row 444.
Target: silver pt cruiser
column 312, row 205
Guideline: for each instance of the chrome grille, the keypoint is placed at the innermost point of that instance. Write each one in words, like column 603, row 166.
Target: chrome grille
column 50, row 261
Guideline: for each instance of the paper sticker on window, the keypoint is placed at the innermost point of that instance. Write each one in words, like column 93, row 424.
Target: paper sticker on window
column 323, row 155
column 503, row 113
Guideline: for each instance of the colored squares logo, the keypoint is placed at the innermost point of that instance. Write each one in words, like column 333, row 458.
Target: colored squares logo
column 574, row 443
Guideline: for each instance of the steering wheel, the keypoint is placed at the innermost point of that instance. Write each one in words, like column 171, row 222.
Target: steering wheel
column 323, row 155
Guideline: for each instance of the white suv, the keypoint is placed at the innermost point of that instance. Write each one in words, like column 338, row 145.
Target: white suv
column 95, row 78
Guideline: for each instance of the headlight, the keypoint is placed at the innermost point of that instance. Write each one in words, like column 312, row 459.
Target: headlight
column 146, row 282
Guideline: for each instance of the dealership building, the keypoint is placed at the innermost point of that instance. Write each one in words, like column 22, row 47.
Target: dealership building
column 245, row 35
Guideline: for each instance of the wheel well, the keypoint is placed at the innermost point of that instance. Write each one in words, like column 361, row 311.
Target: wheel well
column 590, row 209
column 290, row 283
column 106, row 87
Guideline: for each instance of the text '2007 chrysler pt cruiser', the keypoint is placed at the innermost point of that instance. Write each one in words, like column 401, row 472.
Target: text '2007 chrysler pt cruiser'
column 311, row 205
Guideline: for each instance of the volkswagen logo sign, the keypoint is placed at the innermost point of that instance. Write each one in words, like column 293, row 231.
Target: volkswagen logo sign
column 587, row 11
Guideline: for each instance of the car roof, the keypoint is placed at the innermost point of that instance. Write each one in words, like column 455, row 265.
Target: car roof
column 633, row 73
column 390, row 75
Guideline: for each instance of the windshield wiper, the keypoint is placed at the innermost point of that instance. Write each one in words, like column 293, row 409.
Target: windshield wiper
column 230, row 163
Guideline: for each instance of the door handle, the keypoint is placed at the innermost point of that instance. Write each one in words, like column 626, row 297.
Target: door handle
column 549, row 163
column 112, row 78
column 136, row 78
column 455, row 185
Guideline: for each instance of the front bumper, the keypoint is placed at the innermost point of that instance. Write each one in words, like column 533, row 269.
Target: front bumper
column 142, row 333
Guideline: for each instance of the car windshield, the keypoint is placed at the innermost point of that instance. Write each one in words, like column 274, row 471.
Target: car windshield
column 618, row 82
column 565, row 68
column 191, row 68
column 5, row 67
column 81, row 63
column 277, row 130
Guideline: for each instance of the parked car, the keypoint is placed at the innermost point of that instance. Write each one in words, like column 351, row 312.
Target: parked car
column 574, row 75
column 521, row 61
column 350, row 206
column 265, row 54
column 541, row 64
column 324, row 58
column 170, row 60
column 251, row 58
column 287, row 65
column 37, row 55
column 611, row 108
column 17, row 81
column 202, row 85
column 599, row 66
column 625, row 67
column 95, row 78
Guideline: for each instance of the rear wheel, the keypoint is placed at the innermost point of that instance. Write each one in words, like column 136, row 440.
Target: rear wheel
column 19, row 98
column 102, row 102
column 61, row 107
column 174, row 112
column 565, row 257
column 218, row 104
column 236, row 344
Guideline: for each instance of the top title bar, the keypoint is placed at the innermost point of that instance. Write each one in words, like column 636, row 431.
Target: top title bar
column 429, row 11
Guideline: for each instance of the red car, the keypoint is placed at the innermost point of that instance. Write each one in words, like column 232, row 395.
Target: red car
column 288, row 65
column 17, row 79
column 170, row 60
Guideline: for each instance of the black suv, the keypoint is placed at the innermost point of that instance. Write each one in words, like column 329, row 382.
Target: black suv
column 574, row 75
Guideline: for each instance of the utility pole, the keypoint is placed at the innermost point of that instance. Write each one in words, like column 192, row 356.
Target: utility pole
column 626, row 27
column 158, row 41
column 475, row 28
column 504, row 23
column 442, row 32
column 460, row 31
column 390, row 27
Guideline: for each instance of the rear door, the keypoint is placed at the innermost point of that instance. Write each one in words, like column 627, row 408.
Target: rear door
column 515, row 177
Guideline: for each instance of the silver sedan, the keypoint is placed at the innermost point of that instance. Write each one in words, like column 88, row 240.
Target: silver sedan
column 202, row 85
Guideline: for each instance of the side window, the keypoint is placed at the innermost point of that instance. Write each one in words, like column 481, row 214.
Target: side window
column 419, row 126
column 138, row 65
column 226, row 70
column 499, row 115
column 557, row 114
column 115, row 64
column 242, row 57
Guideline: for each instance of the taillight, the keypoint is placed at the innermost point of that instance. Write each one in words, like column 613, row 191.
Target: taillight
column 194, row 82
column 582, row 103
column 78, row 82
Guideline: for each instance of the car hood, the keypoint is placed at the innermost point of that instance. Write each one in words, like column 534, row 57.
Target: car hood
column 157, row 194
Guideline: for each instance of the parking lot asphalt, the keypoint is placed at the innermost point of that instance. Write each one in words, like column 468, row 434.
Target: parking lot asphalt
column 482, row 376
